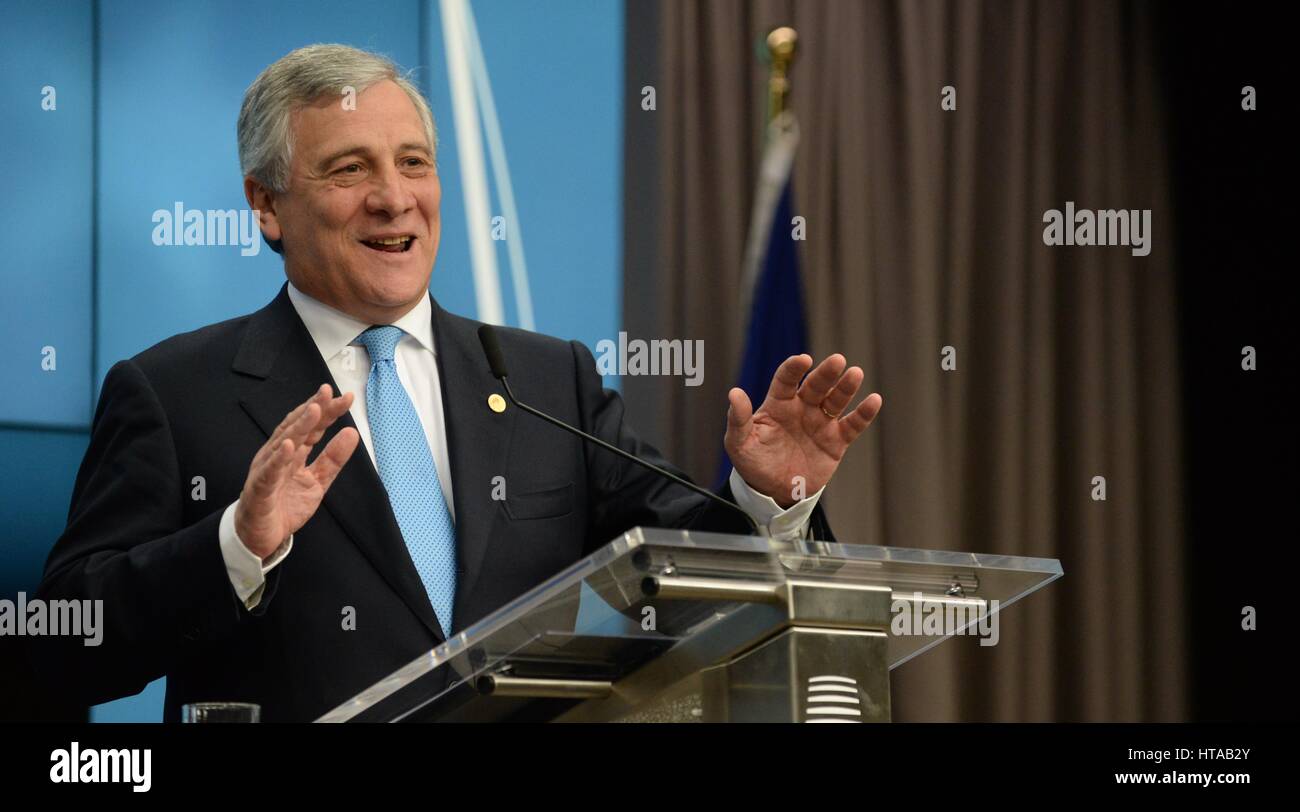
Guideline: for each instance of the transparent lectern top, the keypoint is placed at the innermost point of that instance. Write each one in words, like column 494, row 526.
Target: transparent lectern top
column 595, row 619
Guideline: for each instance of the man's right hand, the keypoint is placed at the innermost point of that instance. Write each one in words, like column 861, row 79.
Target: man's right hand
column 282, row 491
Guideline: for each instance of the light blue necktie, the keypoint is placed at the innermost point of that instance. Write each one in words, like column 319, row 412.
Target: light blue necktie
column 409, row 474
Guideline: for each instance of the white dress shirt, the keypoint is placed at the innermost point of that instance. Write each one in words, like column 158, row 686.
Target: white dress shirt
column 334, row 334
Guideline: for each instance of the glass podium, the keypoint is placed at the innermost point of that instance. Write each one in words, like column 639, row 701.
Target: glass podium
column 681, row 626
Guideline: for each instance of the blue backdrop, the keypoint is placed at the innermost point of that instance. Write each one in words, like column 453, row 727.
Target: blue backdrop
column 143, row 97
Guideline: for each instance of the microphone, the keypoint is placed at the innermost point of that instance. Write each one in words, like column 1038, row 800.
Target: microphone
column 487, row 336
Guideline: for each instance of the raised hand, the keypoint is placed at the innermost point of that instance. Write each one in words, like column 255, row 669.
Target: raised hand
column 799, row 430
column 282, row 492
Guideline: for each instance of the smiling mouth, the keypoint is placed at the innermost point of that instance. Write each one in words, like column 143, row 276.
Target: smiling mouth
column 391, row 245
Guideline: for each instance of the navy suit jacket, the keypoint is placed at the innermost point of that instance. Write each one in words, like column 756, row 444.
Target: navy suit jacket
column 202, row 403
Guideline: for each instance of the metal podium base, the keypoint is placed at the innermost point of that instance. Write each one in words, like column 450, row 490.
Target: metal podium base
column 806, row 667
column 803, row 675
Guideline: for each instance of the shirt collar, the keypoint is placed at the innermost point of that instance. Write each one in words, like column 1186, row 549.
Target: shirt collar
column 332, row 330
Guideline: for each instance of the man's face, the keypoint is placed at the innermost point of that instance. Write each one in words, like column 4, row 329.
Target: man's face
column 359, row 222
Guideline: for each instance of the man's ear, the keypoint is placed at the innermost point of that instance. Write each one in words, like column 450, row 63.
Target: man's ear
column 262, row 200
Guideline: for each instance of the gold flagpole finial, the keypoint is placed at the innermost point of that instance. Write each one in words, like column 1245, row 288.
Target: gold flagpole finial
column 780, row 49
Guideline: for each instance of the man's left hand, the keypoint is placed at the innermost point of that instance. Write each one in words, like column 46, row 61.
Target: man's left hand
column 799, row 430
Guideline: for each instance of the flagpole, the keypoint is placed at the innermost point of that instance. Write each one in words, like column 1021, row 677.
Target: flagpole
column 770, row 298
column 781, row 44
column 779, row 142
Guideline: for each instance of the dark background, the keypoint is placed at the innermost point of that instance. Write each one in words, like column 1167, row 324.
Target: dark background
column 1235, row 185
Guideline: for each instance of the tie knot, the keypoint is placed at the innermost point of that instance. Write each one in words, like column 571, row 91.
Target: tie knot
column 381, row 341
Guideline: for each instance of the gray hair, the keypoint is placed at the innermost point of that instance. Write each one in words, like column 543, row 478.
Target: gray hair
column 296, row 80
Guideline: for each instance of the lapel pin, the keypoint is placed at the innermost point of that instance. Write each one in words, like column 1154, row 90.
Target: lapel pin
column 496, row 403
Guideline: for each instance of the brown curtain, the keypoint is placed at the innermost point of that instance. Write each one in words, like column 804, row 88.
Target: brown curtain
column 924, row 230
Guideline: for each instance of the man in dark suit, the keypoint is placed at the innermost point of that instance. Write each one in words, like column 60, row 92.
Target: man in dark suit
column 245, row 602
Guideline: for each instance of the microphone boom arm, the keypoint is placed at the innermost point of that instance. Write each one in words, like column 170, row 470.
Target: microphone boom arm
column 628, row 456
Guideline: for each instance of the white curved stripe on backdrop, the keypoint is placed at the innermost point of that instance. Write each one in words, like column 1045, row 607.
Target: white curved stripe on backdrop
column 478, row 219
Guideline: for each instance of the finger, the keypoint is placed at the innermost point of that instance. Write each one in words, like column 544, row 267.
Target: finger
column 842, row 395
column 856, row 421
column 320, row 395
column 267, row 477
column 740, row 413
column 298, row 460
column 296, row 433
column 336, row 452
column 818, row 384
column 739, row 409
column 289, row 421
column 300, row 430
column 332, row 411
column 785, row 382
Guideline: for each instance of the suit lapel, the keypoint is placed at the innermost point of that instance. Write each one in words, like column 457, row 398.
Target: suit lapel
column 278, row 352
column 478, row 441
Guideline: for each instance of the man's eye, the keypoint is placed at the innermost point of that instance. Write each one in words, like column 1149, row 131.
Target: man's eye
column 350, row 169
column 415, row 163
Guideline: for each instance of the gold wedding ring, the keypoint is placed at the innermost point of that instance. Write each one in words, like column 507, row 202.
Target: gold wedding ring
column 828, row 414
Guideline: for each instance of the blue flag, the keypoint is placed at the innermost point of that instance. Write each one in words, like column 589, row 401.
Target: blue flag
column 776, row 327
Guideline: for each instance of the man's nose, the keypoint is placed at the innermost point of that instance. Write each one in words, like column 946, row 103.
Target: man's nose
column 388, row 193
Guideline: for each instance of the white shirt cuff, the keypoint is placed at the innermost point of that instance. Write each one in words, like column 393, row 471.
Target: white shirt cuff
column 790, row 523
column 247, row 572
